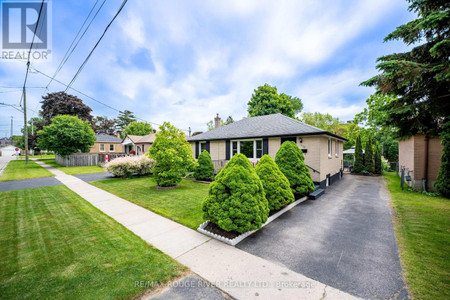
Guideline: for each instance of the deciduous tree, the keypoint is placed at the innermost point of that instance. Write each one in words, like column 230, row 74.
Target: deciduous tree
column 61, row 103
column 173, row 155
column 67, row 135
column 137, row 128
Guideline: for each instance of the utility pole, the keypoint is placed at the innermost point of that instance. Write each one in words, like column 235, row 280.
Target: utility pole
column 189, row 131
column 25, row 127
column 12, row 126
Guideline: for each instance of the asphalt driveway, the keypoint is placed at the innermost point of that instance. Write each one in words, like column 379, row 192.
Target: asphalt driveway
column 344, row 239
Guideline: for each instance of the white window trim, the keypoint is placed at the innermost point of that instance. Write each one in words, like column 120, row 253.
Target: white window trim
column 246, row 140
column 330, row 148
column 336, row 147
column 200, row 146
column 100, row 148
column 113, row 148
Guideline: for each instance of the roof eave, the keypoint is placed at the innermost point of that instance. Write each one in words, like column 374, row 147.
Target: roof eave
column 194, row 139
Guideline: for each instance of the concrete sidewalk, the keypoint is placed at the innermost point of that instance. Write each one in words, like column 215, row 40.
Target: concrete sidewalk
column 238, row 273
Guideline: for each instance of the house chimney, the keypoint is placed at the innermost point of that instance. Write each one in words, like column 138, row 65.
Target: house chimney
column 217, row 121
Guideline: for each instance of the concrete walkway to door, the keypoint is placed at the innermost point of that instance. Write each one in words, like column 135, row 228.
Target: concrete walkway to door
column 344, row 239
column 236, row 272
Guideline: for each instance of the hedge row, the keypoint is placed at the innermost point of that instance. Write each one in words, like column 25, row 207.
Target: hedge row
column 127, row 166
column 240, row 197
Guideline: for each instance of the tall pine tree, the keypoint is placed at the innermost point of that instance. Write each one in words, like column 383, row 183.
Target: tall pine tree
column 419, row 78
column 378, row 169
column 368, row 156
column 359, row 159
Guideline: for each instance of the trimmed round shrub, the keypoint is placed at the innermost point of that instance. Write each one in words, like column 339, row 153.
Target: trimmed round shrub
column 127, row 166
column 236, row 200
column 290, row 160
column 204, row 169
column 276, row 185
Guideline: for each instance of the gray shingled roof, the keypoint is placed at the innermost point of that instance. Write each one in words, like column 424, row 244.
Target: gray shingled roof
column 106, row 138
column 262, row 126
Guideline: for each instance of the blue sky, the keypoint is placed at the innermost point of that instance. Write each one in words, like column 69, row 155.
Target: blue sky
column 185, row 61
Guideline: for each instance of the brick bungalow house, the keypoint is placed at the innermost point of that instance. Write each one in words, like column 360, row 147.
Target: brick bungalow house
column 420, row 158
column 261, row 135
column 137, row 143
column 107, row 144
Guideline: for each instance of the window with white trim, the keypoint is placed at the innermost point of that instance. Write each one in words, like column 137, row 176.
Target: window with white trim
column 102, row 148
column 250, row 148
column 111, row 147
column 329, row 148
column 336, row 146
column 202, row 146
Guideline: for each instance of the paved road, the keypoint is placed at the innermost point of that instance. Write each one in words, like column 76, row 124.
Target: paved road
column 344, row 239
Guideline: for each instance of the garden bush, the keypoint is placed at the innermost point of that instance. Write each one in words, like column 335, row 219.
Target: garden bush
column 359, row 156
column 236, row 200
column 204, row 169
column 276, row 185
column 127, row 166
column 290, row 160
column 173, row 155
column 368, row 156
column 442, row 183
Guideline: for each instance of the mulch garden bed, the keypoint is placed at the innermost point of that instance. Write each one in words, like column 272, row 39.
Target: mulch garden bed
column 211, row 227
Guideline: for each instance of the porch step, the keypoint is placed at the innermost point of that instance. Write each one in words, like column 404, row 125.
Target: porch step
column 317, row 186
column 316, row 194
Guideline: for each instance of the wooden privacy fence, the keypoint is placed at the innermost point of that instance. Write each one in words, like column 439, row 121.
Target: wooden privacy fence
column 78, row 160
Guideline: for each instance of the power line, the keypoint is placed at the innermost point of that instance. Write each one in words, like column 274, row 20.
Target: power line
column 95, row 46
column 67, row 54
column 93, row 99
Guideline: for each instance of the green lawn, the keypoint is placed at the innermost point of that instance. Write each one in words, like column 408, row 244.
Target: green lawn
column 182, row 204
column 55, row 245
column 38, row 156
column 422, row 226
column 18, row 169
column 73, row 170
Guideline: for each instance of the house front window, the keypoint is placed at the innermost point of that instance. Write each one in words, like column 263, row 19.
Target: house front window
column 250, row 148
column 102, row 147
column 111, row 147
column 202, row 146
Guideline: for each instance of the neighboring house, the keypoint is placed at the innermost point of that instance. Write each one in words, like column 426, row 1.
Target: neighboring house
column 138, row 144
column 5, row 141
column 107, row 144
column 420, row 158
column 9, row 150
column 261, row 135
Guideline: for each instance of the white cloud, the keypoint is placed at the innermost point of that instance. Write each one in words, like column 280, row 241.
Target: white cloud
column 208, row 56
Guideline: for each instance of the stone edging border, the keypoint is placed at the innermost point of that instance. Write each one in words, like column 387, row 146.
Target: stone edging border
column 241, row 237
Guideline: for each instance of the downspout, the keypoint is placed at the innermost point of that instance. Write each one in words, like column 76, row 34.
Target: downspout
column 425, row 165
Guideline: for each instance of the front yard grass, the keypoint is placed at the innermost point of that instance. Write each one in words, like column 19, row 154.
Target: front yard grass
column 73, row 170
column 55, row 245
column 182, row 204
column 18, row 169
column 422, row 226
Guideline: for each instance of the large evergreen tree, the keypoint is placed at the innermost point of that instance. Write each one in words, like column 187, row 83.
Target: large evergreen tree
column 443, row 180
column 419, row 78
column 368, row 156
column 378, row 169
column 359, row 159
